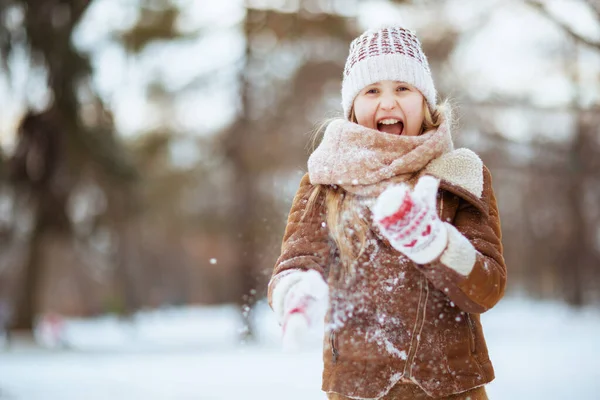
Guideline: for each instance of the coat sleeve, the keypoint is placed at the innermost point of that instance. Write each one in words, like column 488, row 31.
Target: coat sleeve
column 471, row 270
column 306, row 245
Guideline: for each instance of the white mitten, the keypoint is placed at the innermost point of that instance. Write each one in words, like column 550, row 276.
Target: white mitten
column 305, row 306
column 409, row 220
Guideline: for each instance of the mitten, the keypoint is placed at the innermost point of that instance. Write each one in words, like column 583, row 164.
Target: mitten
column 409, row 221
column 304, row 308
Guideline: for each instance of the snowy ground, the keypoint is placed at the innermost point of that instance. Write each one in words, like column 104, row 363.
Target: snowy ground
column 540, row 351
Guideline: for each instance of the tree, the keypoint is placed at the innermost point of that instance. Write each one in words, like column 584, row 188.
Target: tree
column 267, row 134
column 56, row 146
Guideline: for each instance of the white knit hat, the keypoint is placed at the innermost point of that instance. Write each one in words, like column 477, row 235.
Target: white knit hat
column 389, row 53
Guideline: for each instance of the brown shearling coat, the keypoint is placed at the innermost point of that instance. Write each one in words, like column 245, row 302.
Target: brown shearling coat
column 394, row 321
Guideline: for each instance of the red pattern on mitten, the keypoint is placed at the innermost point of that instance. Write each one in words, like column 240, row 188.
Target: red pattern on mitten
column 305, row 306
column 410, row 222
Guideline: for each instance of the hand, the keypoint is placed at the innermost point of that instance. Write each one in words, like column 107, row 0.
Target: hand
column 409, row 220
column 305, row 306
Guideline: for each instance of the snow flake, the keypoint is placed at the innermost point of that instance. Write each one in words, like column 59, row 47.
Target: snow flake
column 393, row 350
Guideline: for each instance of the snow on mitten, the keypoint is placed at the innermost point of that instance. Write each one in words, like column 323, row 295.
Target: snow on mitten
column 305, row 306
column 409, row 220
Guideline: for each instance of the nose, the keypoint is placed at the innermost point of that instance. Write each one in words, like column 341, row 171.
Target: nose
column 387, row 102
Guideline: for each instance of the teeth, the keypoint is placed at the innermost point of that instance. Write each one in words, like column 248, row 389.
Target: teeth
column 389, row 121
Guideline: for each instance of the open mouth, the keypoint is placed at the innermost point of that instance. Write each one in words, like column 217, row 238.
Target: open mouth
column 392, row 126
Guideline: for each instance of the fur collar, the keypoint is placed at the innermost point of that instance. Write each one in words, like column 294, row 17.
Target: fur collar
column 460, row 172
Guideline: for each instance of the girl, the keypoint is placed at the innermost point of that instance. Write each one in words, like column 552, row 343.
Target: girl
column 395, row 235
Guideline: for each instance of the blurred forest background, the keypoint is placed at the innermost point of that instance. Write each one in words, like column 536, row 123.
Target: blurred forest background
column 150, row 149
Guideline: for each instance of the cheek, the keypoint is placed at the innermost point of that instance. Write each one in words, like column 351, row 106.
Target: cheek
column 415, row 116
column 363, row 111
column 415, row 112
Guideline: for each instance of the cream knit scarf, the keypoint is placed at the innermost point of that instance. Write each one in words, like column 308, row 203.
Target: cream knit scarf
column 365, row 161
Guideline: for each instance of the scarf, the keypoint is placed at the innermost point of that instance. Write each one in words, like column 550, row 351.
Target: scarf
column 365, row 161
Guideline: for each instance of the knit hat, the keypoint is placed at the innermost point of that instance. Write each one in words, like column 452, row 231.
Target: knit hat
column 389, row 53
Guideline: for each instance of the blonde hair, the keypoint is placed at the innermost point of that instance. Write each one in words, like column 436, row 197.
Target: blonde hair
column 347, row 226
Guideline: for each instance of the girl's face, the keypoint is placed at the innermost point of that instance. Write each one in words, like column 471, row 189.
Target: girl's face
column 392, row 107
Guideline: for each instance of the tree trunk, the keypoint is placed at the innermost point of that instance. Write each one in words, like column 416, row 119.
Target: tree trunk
column 50, row 221
column 574, row 260
column 29, row 284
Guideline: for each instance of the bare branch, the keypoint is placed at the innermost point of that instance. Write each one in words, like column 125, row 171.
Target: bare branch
column 541, row 8
column 595, row 6
column 507, row 103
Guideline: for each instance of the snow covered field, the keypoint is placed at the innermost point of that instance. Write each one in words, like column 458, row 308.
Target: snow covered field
column 541, row 350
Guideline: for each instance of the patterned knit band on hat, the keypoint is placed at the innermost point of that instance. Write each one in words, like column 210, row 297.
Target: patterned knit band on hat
column 390, row 53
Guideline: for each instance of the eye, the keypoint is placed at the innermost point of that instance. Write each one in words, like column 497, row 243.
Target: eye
column 402, row 88
column 372, row 91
